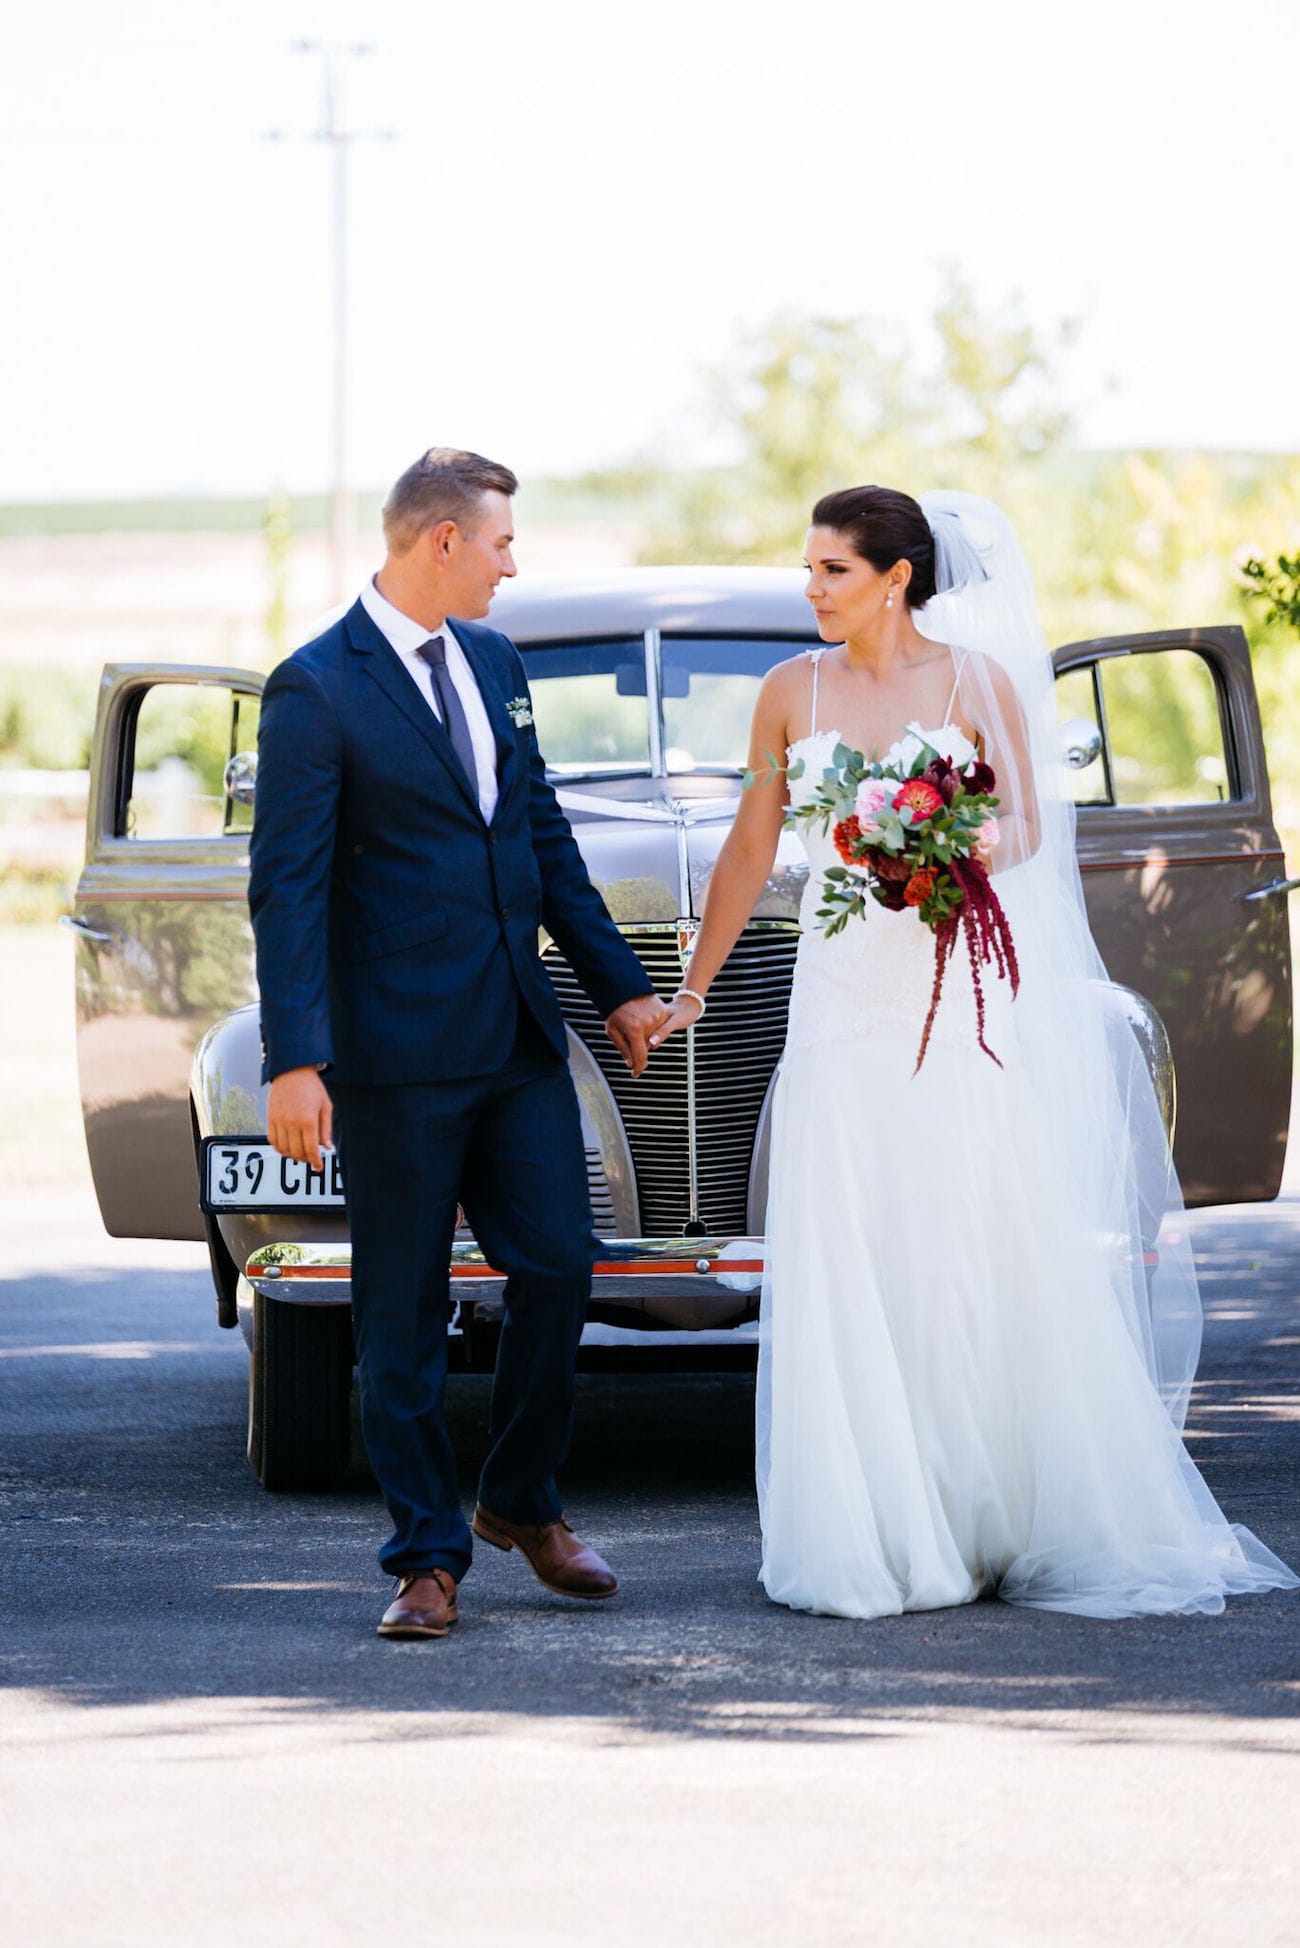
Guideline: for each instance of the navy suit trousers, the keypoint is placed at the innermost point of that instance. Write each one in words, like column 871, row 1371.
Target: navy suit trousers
column 508, row 1146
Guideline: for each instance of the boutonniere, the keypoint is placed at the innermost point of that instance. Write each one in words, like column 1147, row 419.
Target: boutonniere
column 521, row 713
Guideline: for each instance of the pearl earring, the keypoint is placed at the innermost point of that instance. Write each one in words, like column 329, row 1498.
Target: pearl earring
column 889, row 600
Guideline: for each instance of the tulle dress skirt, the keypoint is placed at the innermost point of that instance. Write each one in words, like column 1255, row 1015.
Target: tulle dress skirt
column 950, row 1402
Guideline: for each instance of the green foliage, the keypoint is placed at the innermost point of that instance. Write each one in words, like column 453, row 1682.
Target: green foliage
column 281, row 1254
column 1277, row 584
column 812, row 403
column 775, row 769
column 184, row 737
column 175, row 514
column 47, row 717
column 1165, row 730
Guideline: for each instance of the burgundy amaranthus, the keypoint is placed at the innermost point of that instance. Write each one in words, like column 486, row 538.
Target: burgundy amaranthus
column 988, row 942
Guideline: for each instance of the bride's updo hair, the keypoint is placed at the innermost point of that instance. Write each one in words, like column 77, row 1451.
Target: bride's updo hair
column 884, row 526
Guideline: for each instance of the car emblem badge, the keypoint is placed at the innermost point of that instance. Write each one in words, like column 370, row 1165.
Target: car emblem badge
column 686, row 932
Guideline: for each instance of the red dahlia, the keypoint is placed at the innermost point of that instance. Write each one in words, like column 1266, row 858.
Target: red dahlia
column 919, row 798
column 845, row 836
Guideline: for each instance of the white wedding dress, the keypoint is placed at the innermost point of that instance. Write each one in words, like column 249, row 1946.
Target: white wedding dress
column 950, row 1401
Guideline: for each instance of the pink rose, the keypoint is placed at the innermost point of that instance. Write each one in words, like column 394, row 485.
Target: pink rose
column 987, row 836
column 873, row 795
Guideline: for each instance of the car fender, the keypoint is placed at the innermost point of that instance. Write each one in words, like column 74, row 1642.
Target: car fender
column 610, row 1175
column 229, row 1099
column 226, row 1084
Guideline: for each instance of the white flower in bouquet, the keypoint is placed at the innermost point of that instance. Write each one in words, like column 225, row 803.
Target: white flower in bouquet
column 949, row 742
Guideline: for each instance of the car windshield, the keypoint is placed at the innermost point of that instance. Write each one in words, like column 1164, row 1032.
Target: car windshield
column 593, row 716
column 710, row 685
column 589, row 705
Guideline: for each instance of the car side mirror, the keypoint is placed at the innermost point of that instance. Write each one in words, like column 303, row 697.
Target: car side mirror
column 240, row 777
column 1080, row 743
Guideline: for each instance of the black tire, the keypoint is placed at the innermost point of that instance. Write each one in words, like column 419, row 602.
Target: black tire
column 299, row 1394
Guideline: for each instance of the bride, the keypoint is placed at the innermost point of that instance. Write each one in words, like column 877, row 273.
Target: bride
column 970, row 1378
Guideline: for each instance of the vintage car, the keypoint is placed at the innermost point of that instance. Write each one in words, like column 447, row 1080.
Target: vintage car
column 643, row 684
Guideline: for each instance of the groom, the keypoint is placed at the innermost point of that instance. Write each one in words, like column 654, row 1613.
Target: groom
column 405, row 850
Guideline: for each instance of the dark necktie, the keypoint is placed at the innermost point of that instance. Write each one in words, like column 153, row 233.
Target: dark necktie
column 450, row 707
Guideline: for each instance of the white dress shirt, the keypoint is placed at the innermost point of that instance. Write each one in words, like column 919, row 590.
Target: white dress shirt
column 406, row 637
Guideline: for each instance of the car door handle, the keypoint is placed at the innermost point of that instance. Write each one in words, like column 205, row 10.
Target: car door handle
column 1275, row 886
column 83, row 928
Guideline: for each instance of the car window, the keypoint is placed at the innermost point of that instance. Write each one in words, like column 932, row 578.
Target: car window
column 589, row 705
column 710, row 685
column 1164, row 729
column 1163, row 741
column 192, row 763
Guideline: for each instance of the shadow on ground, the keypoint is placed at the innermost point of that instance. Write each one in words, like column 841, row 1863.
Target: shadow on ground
column 140, row 1563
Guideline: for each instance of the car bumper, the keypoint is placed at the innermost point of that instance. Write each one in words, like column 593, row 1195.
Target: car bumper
column 681, row 1284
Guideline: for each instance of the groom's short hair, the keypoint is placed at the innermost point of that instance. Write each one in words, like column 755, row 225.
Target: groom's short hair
column 444, row 484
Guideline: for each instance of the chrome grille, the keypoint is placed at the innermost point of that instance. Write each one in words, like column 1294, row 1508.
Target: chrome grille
column 737, row 1048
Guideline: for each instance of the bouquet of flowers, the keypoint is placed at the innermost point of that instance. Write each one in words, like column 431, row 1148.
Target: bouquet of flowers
column 910, row 833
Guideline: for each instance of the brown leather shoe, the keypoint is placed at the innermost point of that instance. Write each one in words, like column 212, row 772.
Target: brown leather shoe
column 425, row 1606
column 559, row 1560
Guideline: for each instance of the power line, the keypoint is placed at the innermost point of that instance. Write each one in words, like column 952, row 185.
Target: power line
column 334, row 131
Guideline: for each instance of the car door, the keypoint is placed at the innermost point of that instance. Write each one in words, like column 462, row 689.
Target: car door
column 164, row 945
column 1184, row 879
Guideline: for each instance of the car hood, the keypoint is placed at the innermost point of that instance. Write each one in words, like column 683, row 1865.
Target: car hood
column 650, row 845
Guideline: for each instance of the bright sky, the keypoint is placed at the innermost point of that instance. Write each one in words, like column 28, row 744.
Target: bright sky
column 587, row 201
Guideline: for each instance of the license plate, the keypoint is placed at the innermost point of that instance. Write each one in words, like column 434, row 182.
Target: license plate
column 240, row 1174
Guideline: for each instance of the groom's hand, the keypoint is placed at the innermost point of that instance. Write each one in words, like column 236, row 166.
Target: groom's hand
column 629, row 1026
column 300, row 1116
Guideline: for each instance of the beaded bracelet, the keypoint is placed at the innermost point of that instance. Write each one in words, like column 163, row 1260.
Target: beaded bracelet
column 684, row 994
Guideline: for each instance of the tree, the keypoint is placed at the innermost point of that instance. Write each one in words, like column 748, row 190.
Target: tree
column 812, row 403
column 1277, row 584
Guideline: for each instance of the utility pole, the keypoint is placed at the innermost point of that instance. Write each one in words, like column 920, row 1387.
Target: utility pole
column 334, row 131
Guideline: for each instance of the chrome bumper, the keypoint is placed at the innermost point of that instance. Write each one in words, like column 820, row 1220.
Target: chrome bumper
column 636, row 1274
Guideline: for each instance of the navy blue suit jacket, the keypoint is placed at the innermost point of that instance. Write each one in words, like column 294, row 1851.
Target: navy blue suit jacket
column 395, row 929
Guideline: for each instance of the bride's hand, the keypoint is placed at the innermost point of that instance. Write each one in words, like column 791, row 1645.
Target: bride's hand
column 683, row 1012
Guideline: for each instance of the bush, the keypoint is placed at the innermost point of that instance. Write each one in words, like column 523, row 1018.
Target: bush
column 47, row 717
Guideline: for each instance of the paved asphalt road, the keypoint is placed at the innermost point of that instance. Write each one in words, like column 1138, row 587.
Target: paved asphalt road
column 203, row 1740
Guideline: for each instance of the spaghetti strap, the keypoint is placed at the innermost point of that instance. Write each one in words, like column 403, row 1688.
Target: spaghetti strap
column 959, row 660
column 816, row 655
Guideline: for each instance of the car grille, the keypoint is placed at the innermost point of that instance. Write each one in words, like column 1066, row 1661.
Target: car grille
column 737, row 1048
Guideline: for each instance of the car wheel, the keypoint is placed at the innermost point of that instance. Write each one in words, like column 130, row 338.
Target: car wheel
column 299, row 1394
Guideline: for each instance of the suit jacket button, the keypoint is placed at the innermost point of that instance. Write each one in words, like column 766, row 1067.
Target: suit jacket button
column 505, row 913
